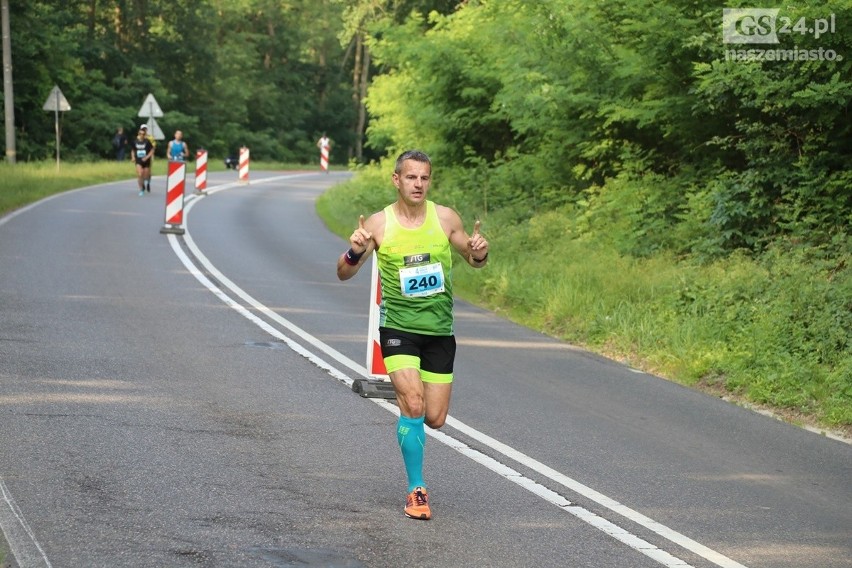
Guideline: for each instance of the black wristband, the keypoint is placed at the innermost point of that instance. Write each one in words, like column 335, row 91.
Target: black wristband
column 478, row 260
column 351, row 257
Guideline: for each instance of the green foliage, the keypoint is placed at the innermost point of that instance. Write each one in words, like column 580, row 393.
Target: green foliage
column 252, row 72
column 632, row 216
column 785, row 139
column 742, row 153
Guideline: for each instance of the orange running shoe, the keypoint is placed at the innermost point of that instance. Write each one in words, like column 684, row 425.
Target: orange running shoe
column 417, row 505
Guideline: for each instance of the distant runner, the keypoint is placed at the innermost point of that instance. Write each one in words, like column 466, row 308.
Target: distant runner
column 143, row 151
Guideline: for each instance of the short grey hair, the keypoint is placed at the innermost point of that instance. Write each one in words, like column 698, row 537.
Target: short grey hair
column 416, row 155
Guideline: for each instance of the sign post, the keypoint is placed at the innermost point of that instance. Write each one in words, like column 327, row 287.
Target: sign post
column 56, row 102
column 154, row 129
column 150, row 109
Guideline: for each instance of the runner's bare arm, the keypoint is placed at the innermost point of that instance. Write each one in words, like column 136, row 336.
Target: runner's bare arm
column 362, row 243
column 474, row 248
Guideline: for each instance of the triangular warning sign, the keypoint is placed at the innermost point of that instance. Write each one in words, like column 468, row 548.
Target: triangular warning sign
column 155, row 130
column 56, row 101
column 150, row 107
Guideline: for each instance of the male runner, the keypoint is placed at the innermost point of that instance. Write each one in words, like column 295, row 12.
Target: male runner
column 412, row 239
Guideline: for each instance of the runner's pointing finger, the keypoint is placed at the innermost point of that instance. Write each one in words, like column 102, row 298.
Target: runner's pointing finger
column 361, row 236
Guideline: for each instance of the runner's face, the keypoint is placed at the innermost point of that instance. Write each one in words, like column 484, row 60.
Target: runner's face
column 413, row 181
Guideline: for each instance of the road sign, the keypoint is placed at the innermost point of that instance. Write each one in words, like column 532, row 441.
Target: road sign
column 155, row 130
column 56, row 101
column 150, row 107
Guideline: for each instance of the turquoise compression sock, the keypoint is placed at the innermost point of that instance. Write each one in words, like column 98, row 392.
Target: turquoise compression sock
column 411, row 436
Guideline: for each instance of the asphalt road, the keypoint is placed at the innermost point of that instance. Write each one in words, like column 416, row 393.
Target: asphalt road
column 185, row 401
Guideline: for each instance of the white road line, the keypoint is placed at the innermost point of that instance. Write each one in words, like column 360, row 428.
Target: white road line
column 587, row 516
column 22, row 541
column 589, row 493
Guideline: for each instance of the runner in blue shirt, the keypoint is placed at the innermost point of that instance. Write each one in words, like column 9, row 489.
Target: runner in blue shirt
column 178, row 149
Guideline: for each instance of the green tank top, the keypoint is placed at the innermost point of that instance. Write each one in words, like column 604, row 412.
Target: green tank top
column 415, row 267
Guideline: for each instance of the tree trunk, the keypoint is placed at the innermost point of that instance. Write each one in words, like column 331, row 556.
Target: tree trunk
column 8, row 90
column 356, row 82
column 362, row 107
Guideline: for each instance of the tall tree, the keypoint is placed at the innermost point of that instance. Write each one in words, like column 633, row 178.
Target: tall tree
column 8, row 90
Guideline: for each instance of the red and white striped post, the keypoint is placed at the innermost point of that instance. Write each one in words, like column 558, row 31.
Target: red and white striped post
column 200, row 171
column 174, row 198
column 379, row 386
column 375, row 362
column 324, row 157
column 244, row 165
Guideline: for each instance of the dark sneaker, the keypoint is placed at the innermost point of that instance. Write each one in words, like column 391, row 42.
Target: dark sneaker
column 417, row 505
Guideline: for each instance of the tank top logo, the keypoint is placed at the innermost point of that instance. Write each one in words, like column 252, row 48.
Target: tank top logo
column 414, row 259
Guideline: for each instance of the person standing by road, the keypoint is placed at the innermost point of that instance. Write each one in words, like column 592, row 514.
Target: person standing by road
column 412, row 239
column 143, row 152
column 119, row 144
column 177, row 149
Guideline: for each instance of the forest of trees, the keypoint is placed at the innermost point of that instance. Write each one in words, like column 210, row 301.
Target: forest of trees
column 630, row 124
column 271, row 74
column 628, row 107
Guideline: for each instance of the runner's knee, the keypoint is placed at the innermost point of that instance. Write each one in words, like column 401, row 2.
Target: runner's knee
column 436, row 422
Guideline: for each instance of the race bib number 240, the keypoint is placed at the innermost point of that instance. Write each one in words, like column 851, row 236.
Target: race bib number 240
column 422, row 280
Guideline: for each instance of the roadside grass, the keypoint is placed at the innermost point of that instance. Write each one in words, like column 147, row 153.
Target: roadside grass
column 771, row 332
column 26, row 182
